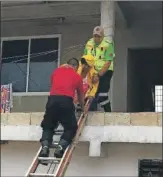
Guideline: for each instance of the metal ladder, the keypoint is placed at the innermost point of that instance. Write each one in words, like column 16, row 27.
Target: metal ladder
column 57, row 166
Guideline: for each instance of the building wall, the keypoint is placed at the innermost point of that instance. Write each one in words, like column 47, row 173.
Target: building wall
column 78, row 34
column 122, row 159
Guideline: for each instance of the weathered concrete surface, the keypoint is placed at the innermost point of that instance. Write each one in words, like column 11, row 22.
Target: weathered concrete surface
column 144, row 119
column 34, row 103
column 94, row 119
column 159, row 119
column 100, row 127
column 21, row 119
column 117, row 119
column 95, row 135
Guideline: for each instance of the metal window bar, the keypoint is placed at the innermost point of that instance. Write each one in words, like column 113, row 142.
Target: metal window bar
column 158, row 98
column 150, row 168
column 28, row 64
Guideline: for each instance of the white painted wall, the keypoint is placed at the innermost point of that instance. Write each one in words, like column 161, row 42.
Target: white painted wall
column 78, row 34
column 122, row 159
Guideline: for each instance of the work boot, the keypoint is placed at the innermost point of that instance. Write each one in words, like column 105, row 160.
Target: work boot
column 107, row 107
column 60, row 149
column 45, row 149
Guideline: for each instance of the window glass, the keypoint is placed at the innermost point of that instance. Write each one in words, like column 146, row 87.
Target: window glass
column 14, row 64
column 43, row 60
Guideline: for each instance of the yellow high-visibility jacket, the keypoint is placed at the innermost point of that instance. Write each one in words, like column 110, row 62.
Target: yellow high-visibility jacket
column 92, row 86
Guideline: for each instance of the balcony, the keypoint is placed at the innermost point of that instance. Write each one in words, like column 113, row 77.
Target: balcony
column 100, row 128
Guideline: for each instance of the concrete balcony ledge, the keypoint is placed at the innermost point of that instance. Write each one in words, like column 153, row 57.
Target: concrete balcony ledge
column 93, row 119
column 100, row 127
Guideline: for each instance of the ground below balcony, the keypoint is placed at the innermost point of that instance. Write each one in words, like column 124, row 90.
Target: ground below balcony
column 121, row 156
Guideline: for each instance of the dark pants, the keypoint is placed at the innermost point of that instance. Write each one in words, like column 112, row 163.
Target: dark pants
column 59, row 109
column 102, row 94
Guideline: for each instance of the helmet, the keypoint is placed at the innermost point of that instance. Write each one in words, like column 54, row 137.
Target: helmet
column 89, row 59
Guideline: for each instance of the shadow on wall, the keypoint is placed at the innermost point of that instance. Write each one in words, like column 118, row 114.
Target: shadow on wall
column 145, row 70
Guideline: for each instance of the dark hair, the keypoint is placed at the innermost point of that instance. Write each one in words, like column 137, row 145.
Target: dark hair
column 73, row 62
column 83, row 61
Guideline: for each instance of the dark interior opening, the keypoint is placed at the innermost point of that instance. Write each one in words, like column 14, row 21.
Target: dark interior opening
column 145, row 70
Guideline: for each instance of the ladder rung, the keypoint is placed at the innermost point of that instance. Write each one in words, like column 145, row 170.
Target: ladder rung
column 41, row 175
column 51, row 159
column 63, row 162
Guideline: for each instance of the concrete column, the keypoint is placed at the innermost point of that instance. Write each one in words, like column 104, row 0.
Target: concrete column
column 95, row 148
column 108, row 23
column 108, row 18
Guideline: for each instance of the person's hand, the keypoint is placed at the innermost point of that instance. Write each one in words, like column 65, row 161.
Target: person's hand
column 78, row 107
column 88, row 98
column 95, row 78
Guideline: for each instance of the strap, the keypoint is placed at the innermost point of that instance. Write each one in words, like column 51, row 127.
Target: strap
column 104, row 102
column 103, row 94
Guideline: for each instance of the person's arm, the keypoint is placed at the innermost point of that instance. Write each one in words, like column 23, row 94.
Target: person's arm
column 109, row 56
column 80, row 93
column 93, row 85
column 85, row 50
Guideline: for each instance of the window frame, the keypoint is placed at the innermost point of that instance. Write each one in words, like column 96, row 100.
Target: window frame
column 29, row 38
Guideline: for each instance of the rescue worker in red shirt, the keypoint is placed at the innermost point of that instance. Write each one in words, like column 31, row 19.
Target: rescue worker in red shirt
column 60, row 108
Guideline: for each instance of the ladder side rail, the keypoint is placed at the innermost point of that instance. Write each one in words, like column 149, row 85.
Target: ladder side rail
column 34, row 165
column 63, row 165
column 68, row 154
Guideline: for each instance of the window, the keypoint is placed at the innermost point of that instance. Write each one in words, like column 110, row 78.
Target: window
column 14, row 69
column 150, row 168
column 158, row 98
column 27, row 63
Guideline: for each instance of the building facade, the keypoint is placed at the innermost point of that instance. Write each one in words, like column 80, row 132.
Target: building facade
column 50, row 34
column 122, row 159
column 39, row 36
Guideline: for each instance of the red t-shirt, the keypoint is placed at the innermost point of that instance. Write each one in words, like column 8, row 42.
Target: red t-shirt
column 65, row 81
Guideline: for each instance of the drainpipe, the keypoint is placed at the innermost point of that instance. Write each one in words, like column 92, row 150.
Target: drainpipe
column 108, row 23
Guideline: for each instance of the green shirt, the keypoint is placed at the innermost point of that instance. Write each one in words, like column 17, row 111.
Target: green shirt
column 103, row 52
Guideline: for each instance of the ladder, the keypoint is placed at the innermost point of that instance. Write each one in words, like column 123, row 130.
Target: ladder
column 58, row 166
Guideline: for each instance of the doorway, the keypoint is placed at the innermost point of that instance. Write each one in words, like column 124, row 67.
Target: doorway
column 144, row 71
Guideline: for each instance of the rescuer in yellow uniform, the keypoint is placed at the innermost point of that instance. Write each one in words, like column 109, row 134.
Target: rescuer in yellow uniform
column 103, row 52
column 87, row 71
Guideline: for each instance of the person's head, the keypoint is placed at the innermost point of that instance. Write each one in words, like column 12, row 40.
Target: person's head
column 84, row 63
column 98, row 34
column 74, row 63
column 87, row 61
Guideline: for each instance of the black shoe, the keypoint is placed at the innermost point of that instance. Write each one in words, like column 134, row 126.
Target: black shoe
column 60, row 149
column 107, row 107
column 44, row 152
